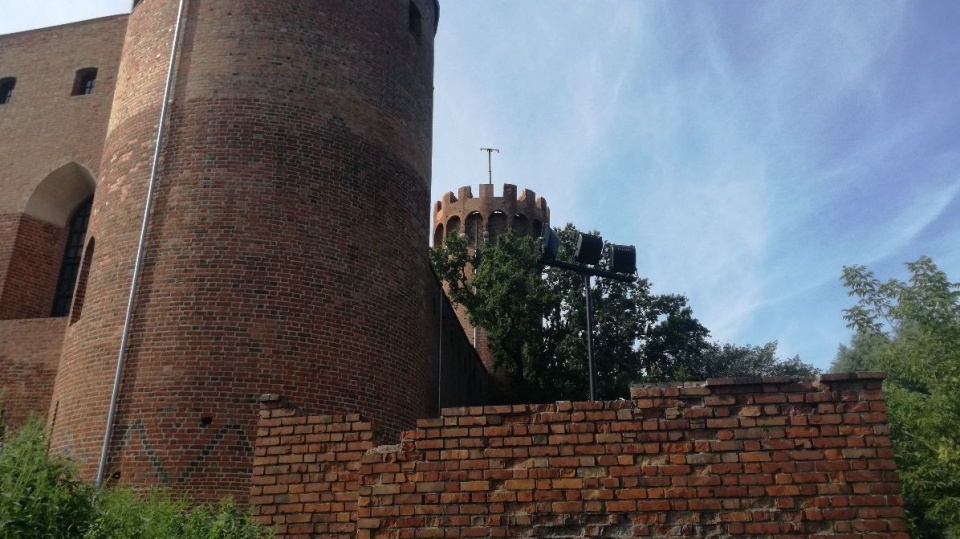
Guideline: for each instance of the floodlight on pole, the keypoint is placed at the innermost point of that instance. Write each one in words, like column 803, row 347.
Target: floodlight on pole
column 589, row 249
column 623, row 259
column 549, row 245
column 589, row 252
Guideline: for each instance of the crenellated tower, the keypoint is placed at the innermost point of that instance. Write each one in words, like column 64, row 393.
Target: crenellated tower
column 482, row 219
column 472, row 216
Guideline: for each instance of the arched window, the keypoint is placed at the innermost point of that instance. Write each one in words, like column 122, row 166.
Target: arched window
column 6, row 89
column 415, row 21
column 70, row 266
column 520, row 224
column 496, row 225
column 473, row 228
column 84, row 82
column 537, row 228
column 453, row 225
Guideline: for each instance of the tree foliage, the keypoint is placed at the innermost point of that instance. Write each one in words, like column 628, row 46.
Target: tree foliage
column 911, row 330
column 41, row 497
column 735, row 361
column 535, row 318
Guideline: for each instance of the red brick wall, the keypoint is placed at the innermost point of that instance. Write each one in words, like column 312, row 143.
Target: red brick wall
column 44, row 127
column 29, row 355
column 751, row 457
column 30, row 281
column 463, row 379
column 286, row 249
column 9, row 223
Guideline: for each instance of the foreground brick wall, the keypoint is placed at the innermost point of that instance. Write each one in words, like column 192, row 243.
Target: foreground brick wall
column 748, row 457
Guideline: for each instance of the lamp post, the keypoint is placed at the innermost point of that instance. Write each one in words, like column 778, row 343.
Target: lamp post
column 623, row 267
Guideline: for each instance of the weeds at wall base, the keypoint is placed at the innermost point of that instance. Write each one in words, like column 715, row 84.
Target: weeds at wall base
column 41, row 497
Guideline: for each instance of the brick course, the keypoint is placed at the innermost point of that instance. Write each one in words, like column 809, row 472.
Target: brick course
column 771, row 457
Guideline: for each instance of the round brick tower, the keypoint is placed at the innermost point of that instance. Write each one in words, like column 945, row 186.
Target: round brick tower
column 482, row 220
column 285, row 253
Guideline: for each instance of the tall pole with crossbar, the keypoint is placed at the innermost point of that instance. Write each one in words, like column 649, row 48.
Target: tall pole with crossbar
column 490, row 162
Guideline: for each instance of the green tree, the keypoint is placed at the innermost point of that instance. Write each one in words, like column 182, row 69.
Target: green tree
column 535, row 319
column 911, row 330
column 738, row 361
column 860, row 354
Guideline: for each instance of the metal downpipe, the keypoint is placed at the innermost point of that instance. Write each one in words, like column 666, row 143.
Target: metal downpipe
column 115, row 396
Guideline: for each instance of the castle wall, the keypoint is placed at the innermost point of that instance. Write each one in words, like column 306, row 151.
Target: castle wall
column 29, row 355
column 768, row 457
column 43, row 128
column 285, row 251
column 462, row 378
column 30, row 276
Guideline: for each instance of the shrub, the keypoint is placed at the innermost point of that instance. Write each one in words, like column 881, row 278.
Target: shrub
column 41, row 497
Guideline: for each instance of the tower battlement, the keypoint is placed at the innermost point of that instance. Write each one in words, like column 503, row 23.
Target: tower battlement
column 524, row 214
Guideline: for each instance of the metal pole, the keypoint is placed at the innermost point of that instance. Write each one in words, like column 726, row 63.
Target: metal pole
column 440, row 360
column 490, row 162
column 590, row 366
column 115, row 396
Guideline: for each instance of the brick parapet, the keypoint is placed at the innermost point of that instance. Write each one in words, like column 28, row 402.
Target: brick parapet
column 775, row 457
column 464, row 200
column 306, row 470
column 523, row 214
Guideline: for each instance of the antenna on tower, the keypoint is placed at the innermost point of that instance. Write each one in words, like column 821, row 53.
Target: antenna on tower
column 490, row 162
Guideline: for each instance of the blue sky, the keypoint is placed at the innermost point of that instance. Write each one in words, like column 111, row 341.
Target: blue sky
column 748, row 149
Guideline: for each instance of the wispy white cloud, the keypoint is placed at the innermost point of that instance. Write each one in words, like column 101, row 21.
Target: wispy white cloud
column 20, row 16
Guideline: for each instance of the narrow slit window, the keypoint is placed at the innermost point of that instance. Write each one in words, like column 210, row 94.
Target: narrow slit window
column 81, row 288
column 416, row 22
column 6, row 89
column 70, row 266
column 85, row 81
